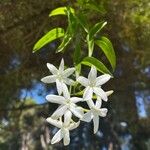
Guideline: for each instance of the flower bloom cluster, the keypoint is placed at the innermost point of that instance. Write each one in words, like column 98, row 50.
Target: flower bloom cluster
column 68, row 107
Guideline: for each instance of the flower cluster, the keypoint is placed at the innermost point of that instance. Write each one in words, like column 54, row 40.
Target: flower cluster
column 68, row 107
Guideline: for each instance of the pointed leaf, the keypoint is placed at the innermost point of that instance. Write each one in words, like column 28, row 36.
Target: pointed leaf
column 66, row 40
column 49, row 37
column 106, row 46
column 61, row 11
column 96, row 28
column 89, row 61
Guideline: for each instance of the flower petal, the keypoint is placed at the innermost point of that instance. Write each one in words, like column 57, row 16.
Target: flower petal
column 98, row 91
column 59, row 112
column 102, row 79
column 57, row 137
column 68, row 81
column 76, row 111
column 96, row 123
column 108, row 93
column 82, row 80
column 98, row 102
column 66, row 139
column 90, row 103
column 92, row 74
column 76, row 99
column 67, row 118
column 68, row 72
column 54, row 122
column 74, row 125
column 59, row 86
column 88, row 93
column 49, row 79
column 52, row 68
column 55, row 99
column 87, row 117
column 65, row 91
column 102, row 112
column 61, row 66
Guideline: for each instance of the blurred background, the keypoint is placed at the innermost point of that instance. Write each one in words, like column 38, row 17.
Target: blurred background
column 23, row 107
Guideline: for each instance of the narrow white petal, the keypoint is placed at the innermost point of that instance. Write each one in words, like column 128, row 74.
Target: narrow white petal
column 54, row 122
column 77, row 112
column 96, row 123
column 90, row 103
column 88, row 93
column 55, row 99
column 49, row 79
column 92, row 74
column 57, row 137
column 74, row 125
column 82, row 80
column 59, row 86
column 98, row 102
column 108, row 93
column 76, row 99
column 66, row 139
column 102, row 79
column 52, row 68
column 102, row 112
column 98, row 91
column 68, row 72
column 68, row 81
column 65, row 91
column 67, row 118
column 87, row 116
column 59, row 112
column 61, row 66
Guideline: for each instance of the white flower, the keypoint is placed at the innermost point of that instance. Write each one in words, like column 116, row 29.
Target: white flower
column 66, row 103
column 60, row 76
column 93, row 84
column 65, row 126
column 94, row 113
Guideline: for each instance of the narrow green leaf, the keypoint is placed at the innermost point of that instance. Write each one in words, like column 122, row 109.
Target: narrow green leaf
column 66, row 40
column 90, row 46
column 96, row 28
column 89, row 61
column 61, row 11
column 82, row 21
column 107, row 47
column 49, row 37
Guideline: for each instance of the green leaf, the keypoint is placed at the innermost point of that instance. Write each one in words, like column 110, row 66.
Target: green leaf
column 83, row 21
column 90, row 46
column 89, row 61
column 49, row 37
column 107, row 47
column 61, row 11
column 96, row 28
column 66, row 40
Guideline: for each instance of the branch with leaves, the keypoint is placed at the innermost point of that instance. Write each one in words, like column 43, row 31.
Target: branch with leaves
column 69, row 82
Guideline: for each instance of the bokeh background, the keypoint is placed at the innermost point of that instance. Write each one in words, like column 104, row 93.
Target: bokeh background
column 23, row 107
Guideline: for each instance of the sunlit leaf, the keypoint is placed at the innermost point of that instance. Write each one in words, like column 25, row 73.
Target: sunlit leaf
column 49, row 37
column 89, row 61
column 106, row 46
column 61, row 11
